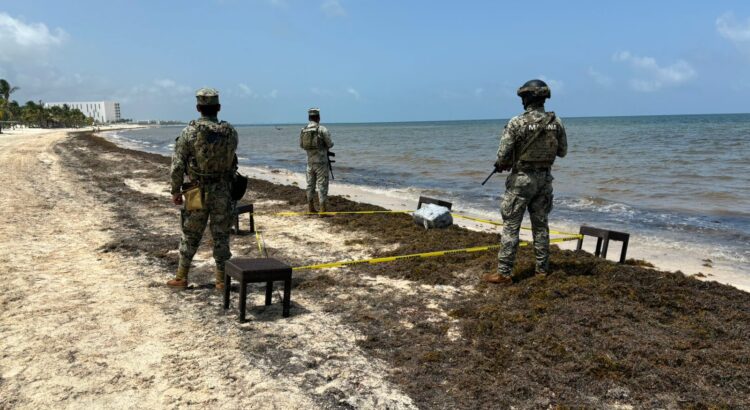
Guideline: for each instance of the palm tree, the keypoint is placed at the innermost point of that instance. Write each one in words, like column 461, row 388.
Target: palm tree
column 6, row 90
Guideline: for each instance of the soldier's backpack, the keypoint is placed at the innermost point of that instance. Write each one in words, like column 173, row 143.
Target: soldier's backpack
column 541, row 145
column 309, row 138
column 213, row 150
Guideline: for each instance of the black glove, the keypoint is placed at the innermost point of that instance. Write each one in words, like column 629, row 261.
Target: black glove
column 499, row 166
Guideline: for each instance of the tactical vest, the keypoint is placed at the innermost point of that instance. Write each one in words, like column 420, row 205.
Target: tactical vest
column 540, row 149
column 310, row 138
column 213, row 151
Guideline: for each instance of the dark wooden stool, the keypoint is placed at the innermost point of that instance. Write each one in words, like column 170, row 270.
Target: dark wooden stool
column 439, row 202
column 243, row 209
column 602, row 242
column 254, row 270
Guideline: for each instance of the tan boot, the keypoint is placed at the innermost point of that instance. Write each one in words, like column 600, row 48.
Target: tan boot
column 311, row 206
column 498, row 279
column 323, row 208
column 219, row 279
column 180, row 280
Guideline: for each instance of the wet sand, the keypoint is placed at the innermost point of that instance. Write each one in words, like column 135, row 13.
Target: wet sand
column 87, row 321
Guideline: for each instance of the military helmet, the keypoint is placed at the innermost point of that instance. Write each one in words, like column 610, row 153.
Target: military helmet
column 534, row 88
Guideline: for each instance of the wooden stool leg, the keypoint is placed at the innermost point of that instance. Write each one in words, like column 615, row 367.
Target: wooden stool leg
column 624, row 250
column 237, row 224
column 605, row 247
column 243, row 299
column 269, row 292
column 227, row 284
column 598, row 247
column 580, row 243
column 252, row 223
column 287, row 296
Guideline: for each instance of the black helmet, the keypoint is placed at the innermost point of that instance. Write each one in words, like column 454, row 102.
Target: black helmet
column 534, row 89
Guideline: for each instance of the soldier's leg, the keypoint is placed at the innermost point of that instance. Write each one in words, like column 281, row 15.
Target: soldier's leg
column 321, row 182
column 220, row 224
column 539, row 209
column 310, row 174
column 512, row 209
column 193, row 225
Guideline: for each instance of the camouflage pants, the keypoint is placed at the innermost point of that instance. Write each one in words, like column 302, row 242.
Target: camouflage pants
column 530, row 190
column 217, row 209
column 317, row 178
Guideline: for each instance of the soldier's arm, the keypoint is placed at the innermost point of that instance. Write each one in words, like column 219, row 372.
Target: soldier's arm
column 179, row 159
column 327, row 137
column 562, row 140
column 235, row 141
column 507, row 142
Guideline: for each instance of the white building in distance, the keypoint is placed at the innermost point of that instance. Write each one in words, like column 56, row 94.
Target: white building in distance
column 100, row 111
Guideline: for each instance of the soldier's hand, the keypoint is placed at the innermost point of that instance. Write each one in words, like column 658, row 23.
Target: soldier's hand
column 500, row 167
column 177, row 199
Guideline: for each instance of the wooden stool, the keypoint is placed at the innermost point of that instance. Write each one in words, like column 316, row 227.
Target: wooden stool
column 254, row 270
column 602, row 241
column 243, row 209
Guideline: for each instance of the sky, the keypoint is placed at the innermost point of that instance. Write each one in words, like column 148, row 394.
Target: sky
column 379, row 60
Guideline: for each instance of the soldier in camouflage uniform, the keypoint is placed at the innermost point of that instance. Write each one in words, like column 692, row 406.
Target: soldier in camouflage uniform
column 205, row 152
column 528, row 147
column 316, row 141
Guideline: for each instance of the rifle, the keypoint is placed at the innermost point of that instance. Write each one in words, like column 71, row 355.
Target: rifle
column 330, row 161
column 494, row 171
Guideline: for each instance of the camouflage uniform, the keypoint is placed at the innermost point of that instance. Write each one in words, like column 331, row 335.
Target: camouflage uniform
column 205, row 152
column 317, row 161
column 529, row 186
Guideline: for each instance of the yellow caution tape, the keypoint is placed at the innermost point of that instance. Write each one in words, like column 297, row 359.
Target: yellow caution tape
column 259, row 240
column 332, row 213
column 487, row 221
column 417, row 255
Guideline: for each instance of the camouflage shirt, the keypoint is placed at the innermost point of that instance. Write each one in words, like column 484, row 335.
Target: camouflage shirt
column 319, row 156
column 516, row 131
column 184, row 160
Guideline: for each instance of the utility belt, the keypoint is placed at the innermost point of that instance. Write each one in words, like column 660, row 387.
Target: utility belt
column 532, row 166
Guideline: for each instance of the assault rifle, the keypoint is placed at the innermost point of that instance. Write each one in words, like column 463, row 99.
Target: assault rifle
column 494, row 171
column 330, row 161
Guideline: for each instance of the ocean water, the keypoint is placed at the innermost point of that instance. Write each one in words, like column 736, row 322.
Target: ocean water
column 680, row 181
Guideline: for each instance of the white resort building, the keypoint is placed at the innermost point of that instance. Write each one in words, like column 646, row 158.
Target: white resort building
column 100, row 111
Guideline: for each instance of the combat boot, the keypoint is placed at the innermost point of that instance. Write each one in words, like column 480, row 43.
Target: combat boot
column 498, row 279
column 323, row 207
column 219, row 279
column 180, row 280
column 311, row 206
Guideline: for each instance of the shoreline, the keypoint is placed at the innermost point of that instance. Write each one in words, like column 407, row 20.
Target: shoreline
column 687, row 262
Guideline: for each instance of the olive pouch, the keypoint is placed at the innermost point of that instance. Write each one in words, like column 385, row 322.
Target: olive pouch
column 193, row 198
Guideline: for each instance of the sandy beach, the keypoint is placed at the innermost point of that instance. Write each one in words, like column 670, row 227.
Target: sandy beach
column 90, row 238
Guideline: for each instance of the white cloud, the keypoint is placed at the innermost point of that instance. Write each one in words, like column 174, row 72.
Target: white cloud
column 555, row 86
column 273, row 94
column 159, row 89
column 333, row 8
column 353, row 92
column 19, row 40
column 246, row 91
column 733, row 30
column 600, row 78
column 652, row 76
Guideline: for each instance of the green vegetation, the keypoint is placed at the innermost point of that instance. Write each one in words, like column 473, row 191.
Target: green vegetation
column 36, row 115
